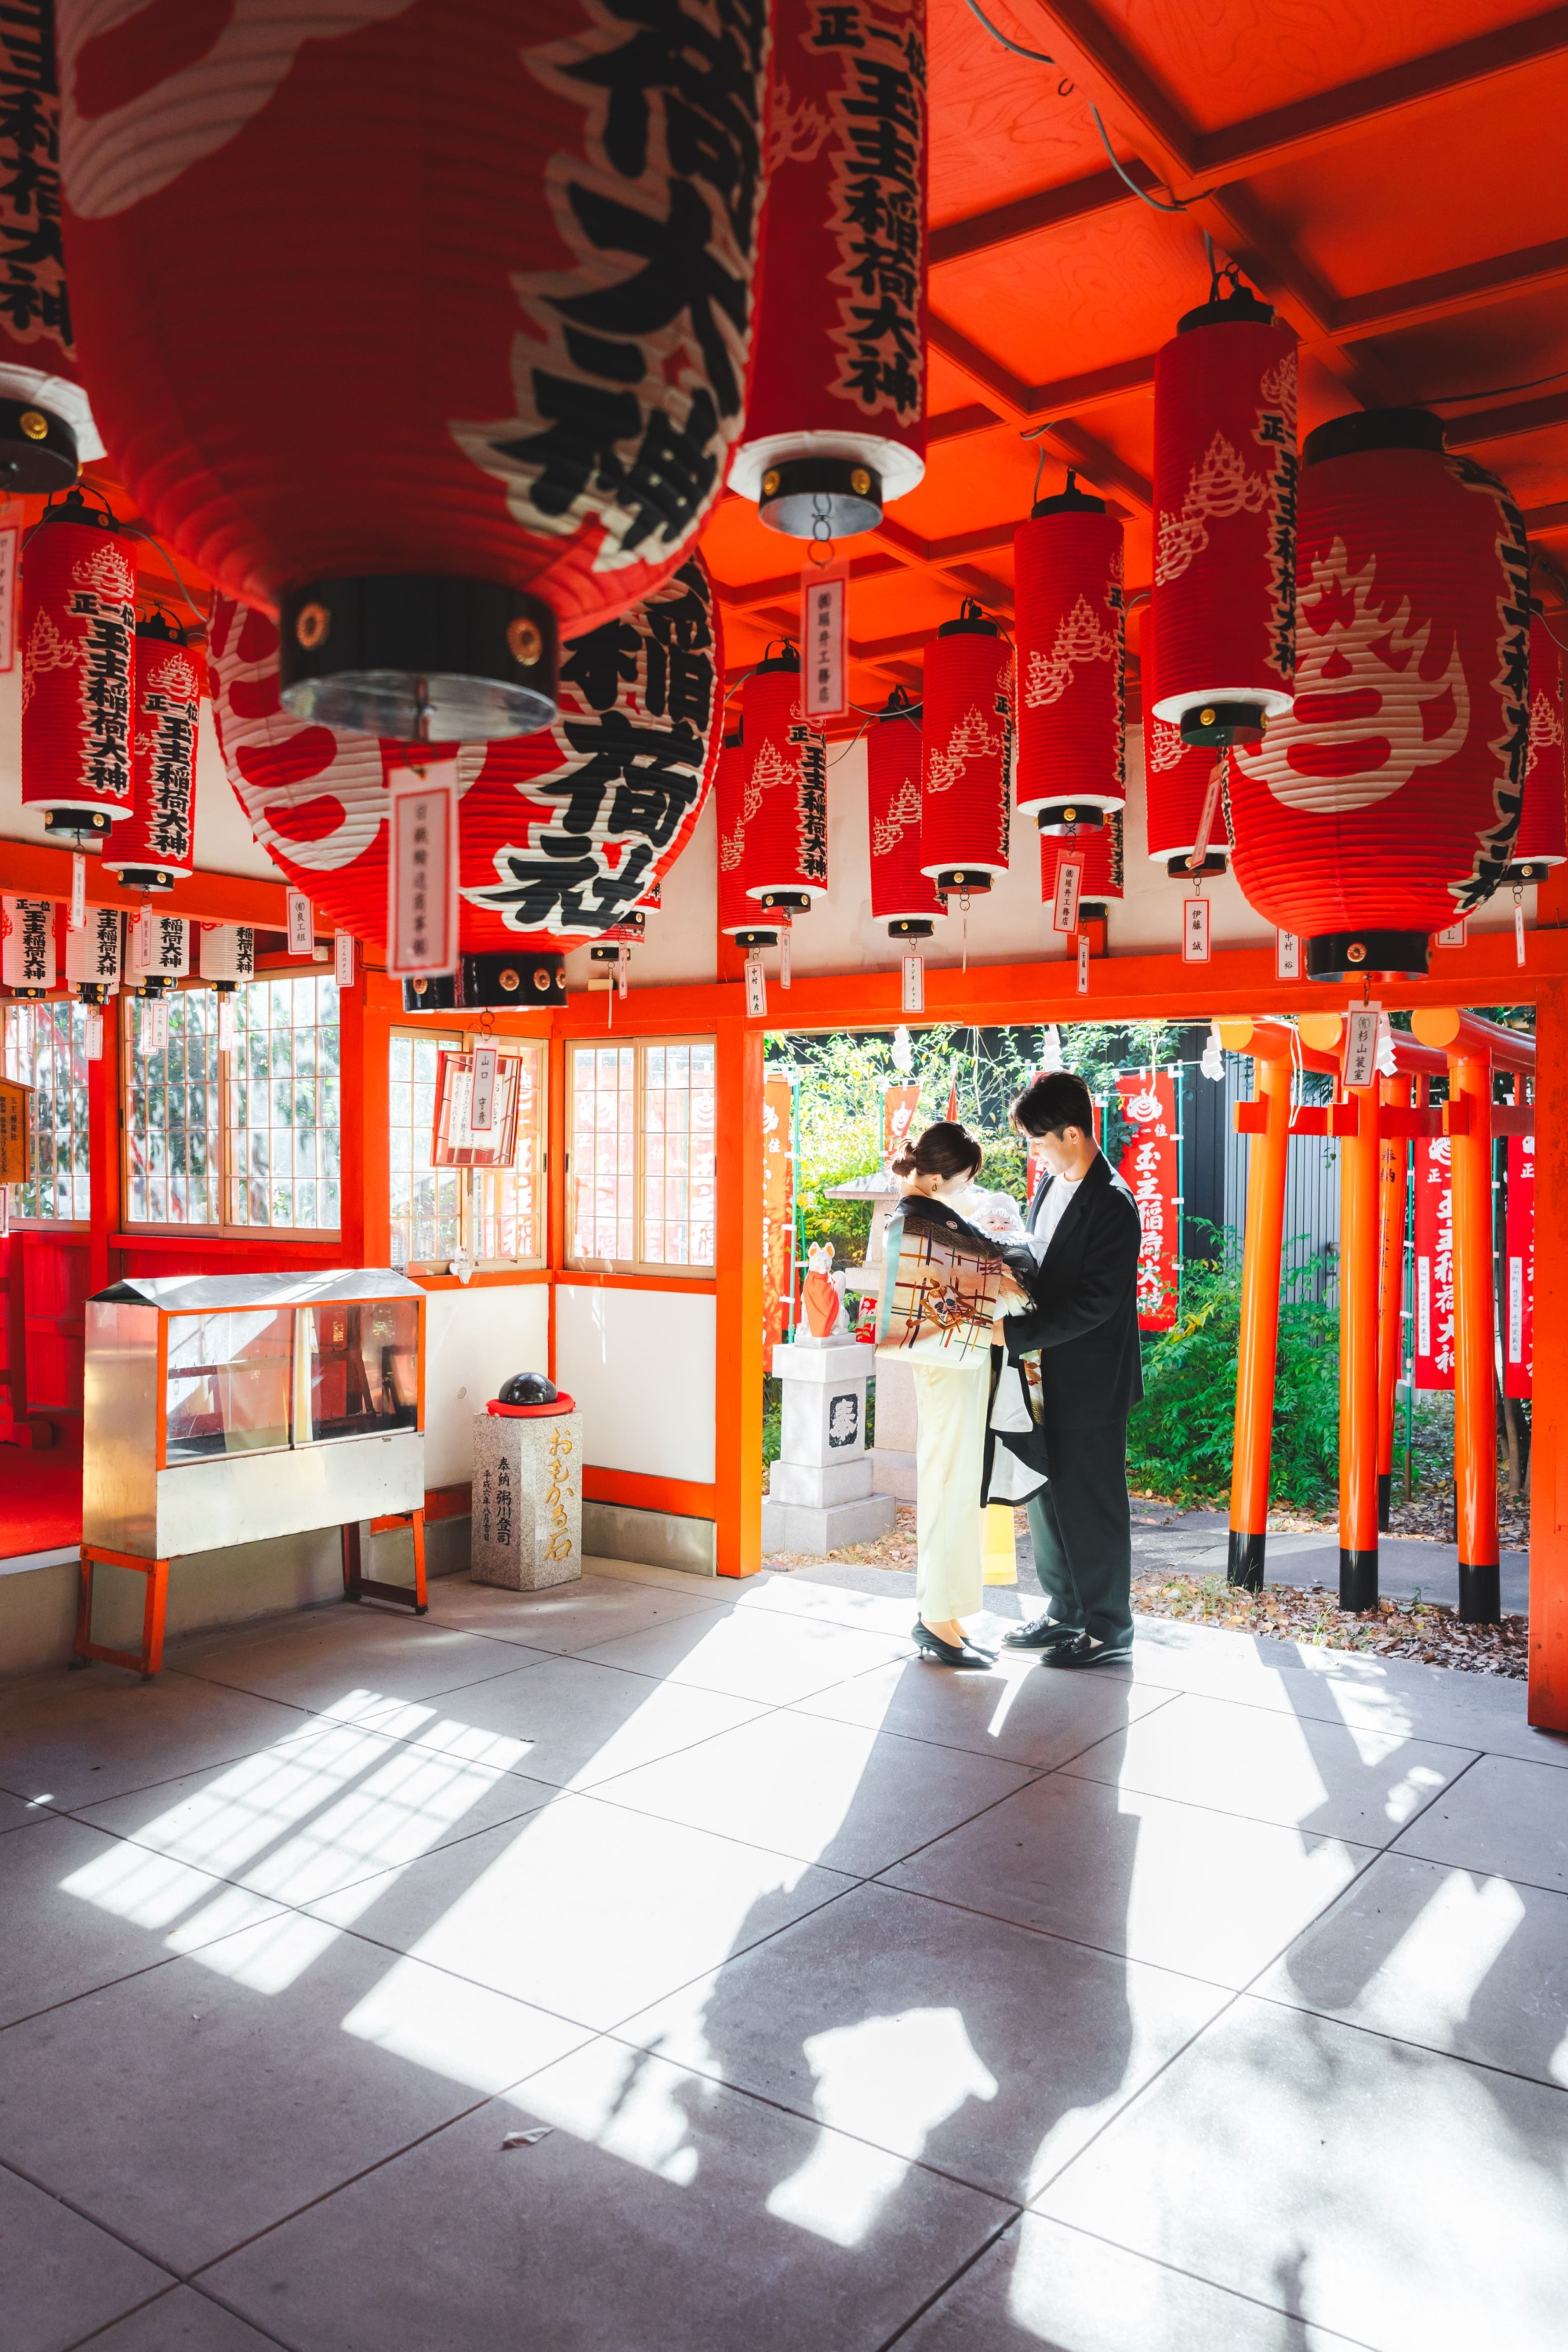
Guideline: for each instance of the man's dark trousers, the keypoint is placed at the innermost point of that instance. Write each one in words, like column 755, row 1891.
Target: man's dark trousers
column 1081, row 1527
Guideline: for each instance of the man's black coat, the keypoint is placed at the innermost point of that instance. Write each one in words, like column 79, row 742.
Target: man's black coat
column 1084, row 1320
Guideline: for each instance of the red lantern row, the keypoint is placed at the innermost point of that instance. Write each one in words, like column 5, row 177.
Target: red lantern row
column 79, row 615
column 157, row 848
column 474, row 322
column 1385, row 806
column 1069, row 572
column 967, row 725
column 835, row 414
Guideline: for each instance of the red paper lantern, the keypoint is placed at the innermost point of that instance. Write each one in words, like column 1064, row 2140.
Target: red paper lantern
column 1224, row 520
column 1099, row 847
column 157, row 848
column 470, row 349
column 966, row 721
column 1067, row 571
column 739, row 915
column 835, row 414
column 1385, row 806
column 46, row 424
column 1542, row 838
column 1177, row 779
column 561, row 833
column 903, row 895
column 79, row 613
column 785, row 799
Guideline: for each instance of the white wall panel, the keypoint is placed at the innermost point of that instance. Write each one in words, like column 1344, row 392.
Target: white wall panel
column 641, row 1364
column 475, row 1339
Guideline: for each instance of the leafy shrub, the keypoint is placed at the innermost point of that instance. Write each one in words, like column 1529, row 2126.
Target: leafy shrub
column 1181, row 1437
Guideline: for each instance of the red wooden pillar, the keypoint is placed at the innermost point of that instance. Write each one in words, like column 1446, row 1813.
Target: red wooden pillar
column 1257, row 1345
column 738, row 1249
column 367, row 1153
column 1549, row 1407
column 1393, row 1194
column 1359, row 1188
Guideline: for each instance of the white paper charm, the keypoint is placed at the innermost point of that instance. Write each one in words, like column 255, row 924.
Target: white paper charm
column 422, row 870
column 1361, row 1025
column 1194, row 931
column 756, row 989
column 302, row 924
column 344, row 959
column 1069, row 888
column 1287, row 955
column 914, row 999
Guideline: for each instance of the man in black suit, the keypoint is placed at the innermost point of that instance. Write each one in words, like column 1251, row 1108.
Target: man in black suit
column 1084, row 1322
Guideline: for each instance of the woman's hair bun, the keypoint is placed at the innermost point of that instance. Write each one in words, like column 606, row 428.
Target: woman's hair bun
column 904, row 1165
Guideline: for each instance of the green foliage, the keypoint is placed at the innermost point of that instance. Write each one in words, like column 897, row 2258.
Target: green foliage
column 1180, row 1438
column 840, row 1080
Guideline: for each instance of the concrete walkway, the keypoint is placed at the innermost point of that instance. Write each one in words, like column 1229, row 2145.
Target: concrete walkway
column 1214, row 2005
column 1196, row 1543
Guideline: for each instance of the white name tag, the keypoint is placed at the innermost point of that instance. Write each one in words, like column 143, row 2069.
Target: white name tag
column 422, row 871
column 1194, row 931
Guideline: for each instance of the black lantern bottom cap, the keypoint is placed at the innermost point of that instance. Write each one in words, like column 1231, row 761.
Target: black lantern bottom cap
column 1353, row 955
column 94, row 992
column 77, row 824
column 964, row 879
column 1534, row 869
column 1059, row 814
column 30, row 995
column 497, row 983
column 1093, row 910
column 748, row 940
column 146, row 878
column 839, row 494
column 1214, row 862
column 785, row 902
column 38, row 449
column 1220, row 724
column 418, row 658
column 159, row 985
column 910, row 927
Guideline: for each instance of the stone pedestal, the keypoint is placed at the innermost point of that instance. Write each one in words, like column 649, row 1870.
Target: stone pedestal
column 527, row 1525
column 819, row 1490
column 893, row 1455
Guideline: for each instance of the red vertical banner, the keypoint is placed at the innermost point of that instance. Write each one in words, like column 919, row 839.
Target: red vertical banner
column 898, row 1104
column 778, row 1209
column 1150, row 1166
column 1518, row 1294
column 1434, row 1264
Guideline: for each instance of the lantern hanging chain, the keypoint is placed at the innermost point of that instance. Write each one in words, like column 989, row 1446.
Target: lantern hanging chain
column 822, row 546
column 140, row 530
column 1036, row 56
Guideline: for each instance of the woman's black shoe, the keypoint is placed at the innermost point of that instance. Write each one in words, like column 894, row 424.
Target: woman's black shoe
column 943, row 1654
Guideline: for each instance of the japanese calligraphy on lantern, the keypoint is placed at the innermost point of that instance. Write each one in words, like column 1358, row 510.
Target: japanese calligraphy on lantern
column 1151, row 1168
column 878, row 137
column 1433, row 1225
column 34, row 308
column 778, row 1210
column 1519, row 1309
column 27, row 957
column 630, row 377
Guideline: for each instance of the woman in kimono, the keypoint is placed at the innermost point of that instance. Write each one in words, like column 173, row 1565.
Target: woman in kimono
column 951, row 1402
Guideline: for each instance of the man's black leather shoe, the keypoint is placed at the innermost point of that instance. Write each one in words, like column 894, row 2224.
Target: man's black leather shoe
column 1043, row 1634
column 1086, row 1653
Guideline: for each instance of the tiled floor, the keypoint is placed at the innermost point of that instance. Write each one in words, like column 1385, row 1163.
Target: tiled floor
column 1219, row 2004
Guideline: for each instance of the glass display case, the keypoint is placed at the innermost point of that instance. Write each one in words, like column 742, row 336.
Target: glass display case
column 220, row 1409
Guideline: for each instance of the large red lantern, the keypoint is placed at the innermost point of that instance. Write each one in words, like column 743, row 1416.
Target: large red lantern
column 1176, row 781
column 1385, row 805
column 966, row 721
column 835, row 415
column 46, row 424
column 1225, row 518
column 157, row 848
column 79, row 613
column 903, row 895
column 474, row 324
column 1542, row 841
column 561, row 833
column 784, row 801
column 1069, row 595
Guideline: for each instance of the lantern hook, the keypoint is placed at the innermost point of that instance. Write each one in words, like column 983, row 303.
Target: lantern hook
column 821, row 531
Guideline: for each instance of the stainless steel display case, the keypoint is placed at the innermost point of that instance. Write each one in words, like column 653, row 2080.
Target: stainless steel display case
column 220, row 1409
